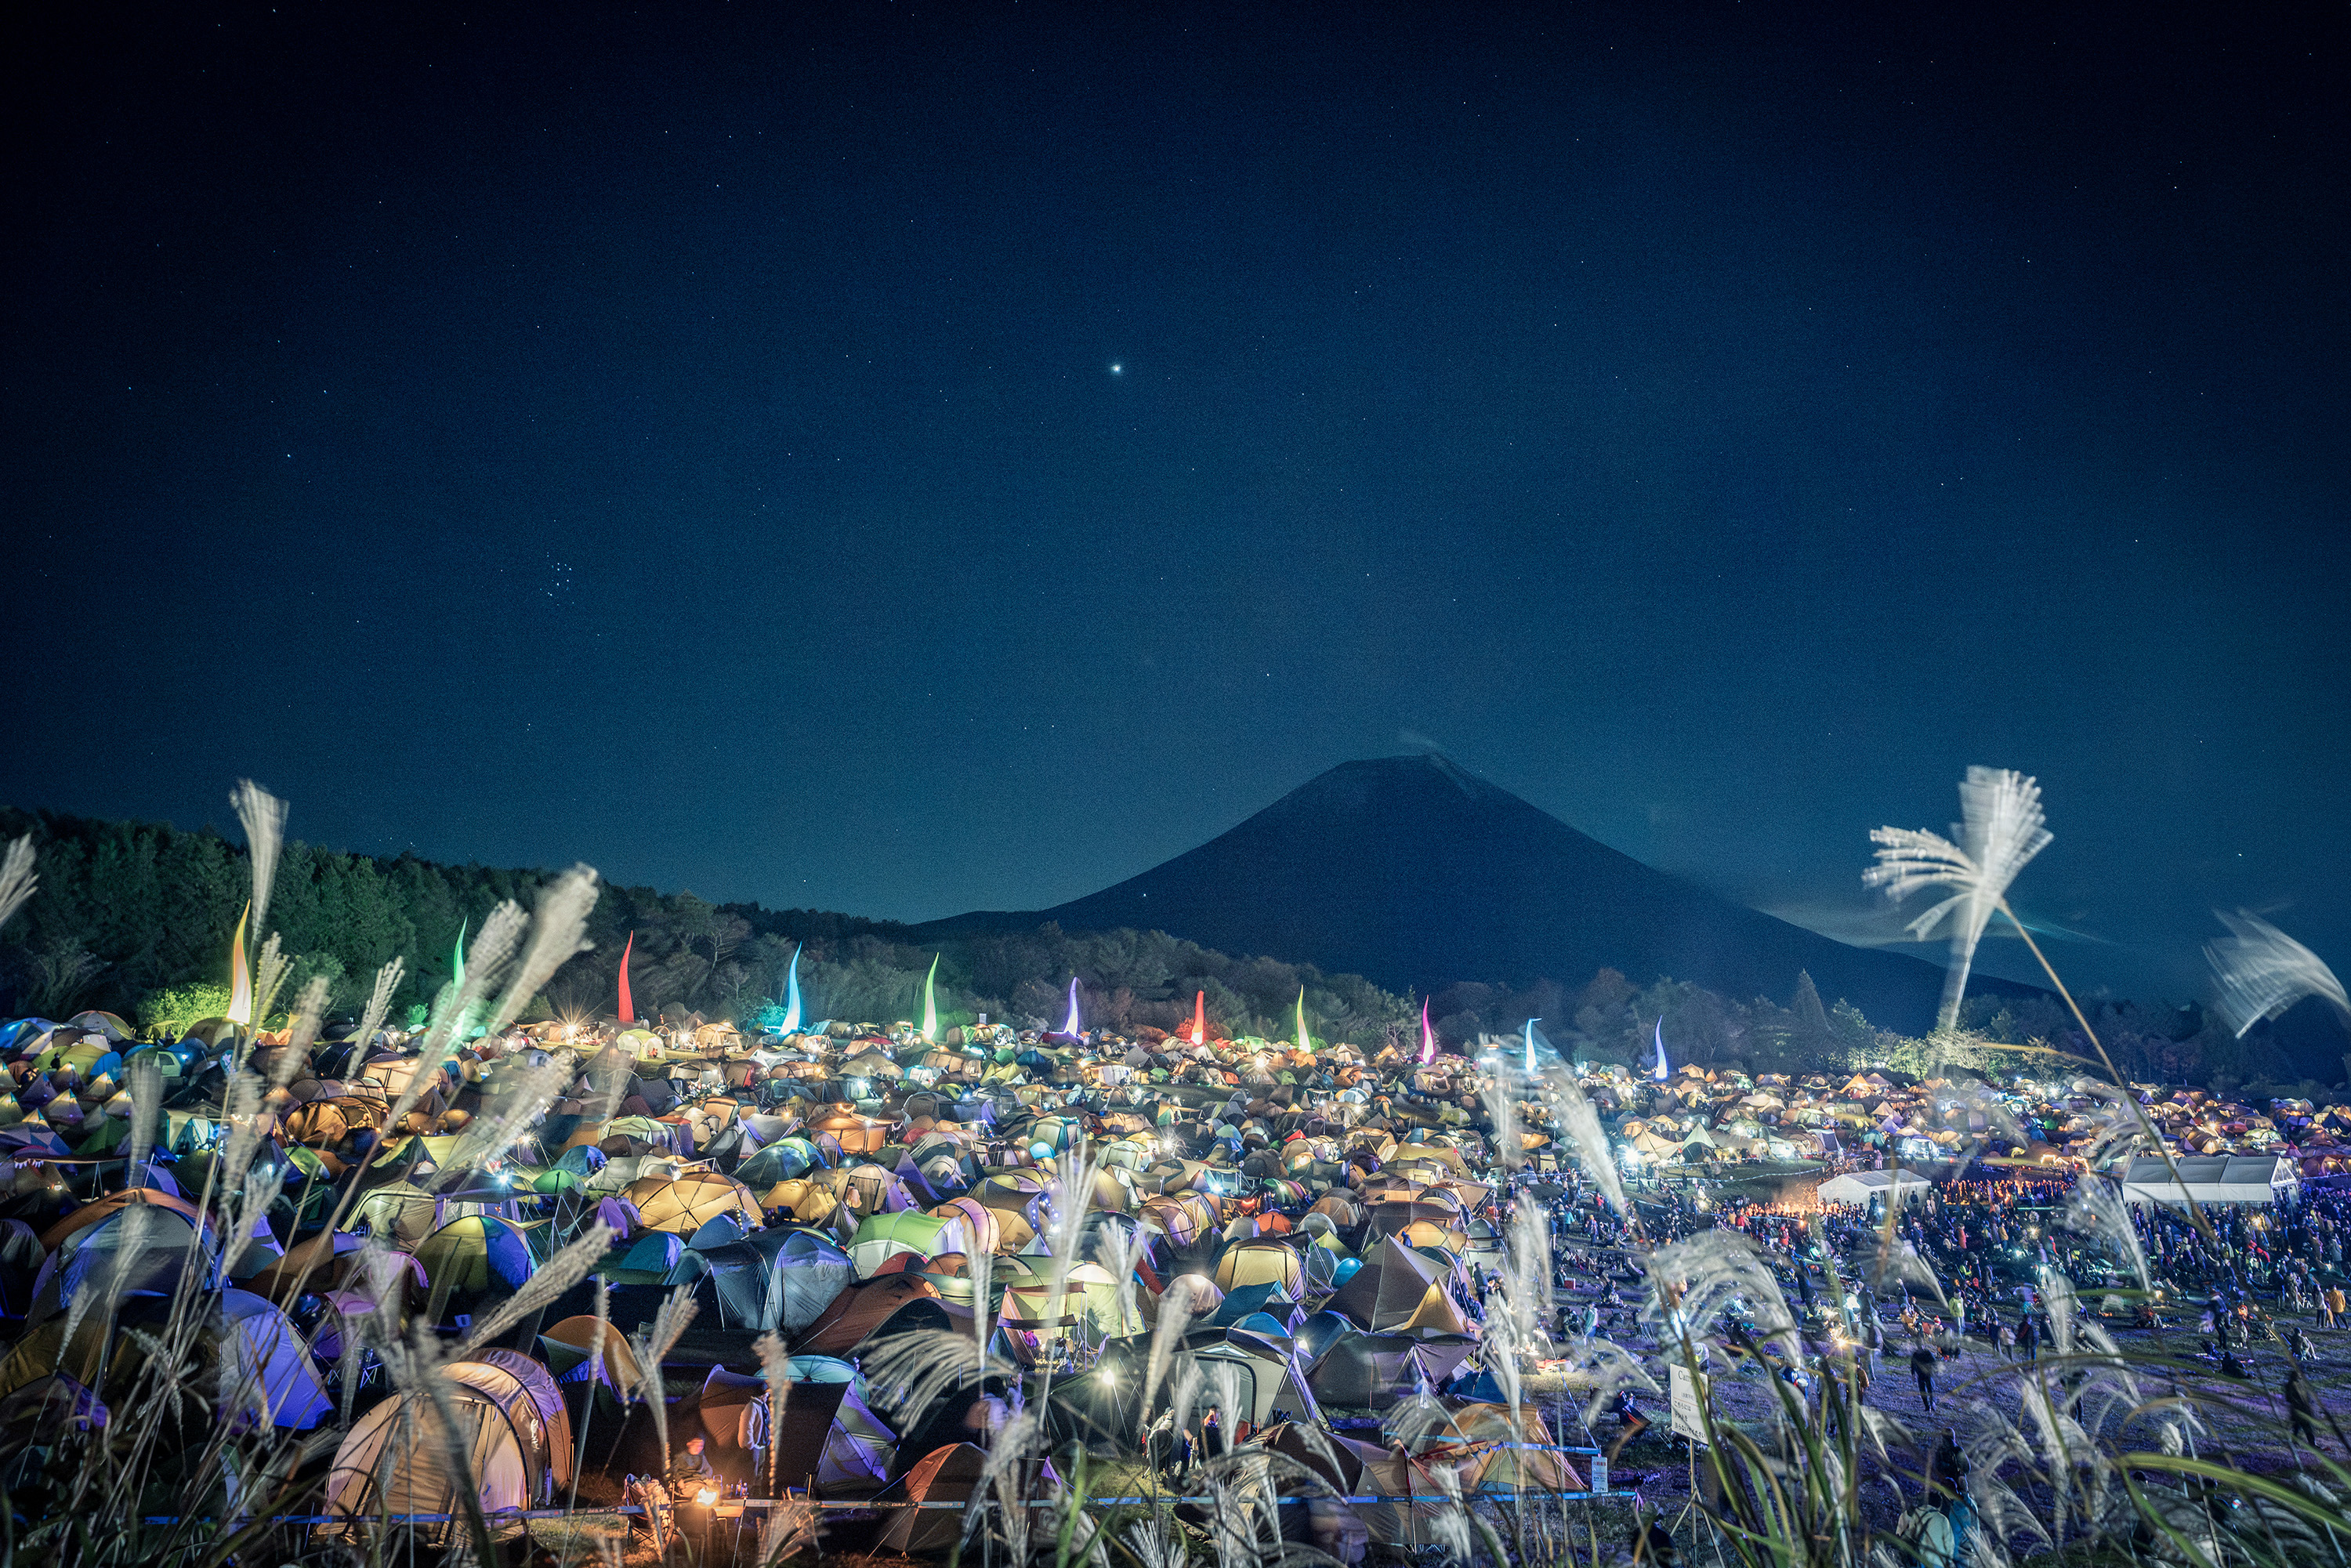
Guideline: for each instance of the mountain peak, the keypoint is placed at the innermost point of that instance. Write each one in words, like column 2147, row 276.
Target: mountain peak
column 1415, row 873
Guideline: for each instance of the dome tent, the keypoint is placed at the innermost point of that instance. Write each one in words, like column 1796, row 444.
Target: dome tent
column 135, row 1241
column 501, row 1409
column 273, row 1370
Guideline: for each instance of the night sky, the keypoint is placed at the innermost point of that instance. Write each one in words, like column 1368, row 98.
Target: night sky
column 903, row 458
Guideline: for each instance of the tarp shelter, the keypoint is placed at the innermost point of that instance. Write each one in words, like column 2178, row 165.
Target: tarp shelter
column 394, row 1460
column 1860, row 1186
column 2213, row 1178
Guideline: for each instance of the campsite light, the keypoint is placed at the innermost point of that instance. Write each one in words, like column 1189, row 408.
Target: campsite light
column 706, row 1496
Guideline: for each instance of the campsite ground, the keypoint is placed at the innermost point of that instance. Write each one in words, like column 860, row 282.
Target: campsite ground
column 2241, row 1421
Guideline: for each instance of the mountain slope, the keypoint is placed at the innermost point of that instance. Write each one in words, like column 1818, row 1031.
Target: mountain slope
column 1413, row 872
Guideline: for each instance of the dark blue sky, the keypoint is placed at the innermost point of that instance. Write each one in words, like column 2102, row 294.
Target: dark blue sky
column 904, row 458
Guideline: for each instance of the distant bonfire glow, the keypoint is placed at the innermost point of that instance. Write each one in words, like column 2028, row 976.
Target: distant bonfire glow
column 1074, row 1024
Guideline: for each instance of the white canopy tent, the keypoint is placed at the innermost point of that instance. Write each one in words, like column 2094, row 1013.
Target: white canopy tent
column 2213, row 1178
column 1860, row 1186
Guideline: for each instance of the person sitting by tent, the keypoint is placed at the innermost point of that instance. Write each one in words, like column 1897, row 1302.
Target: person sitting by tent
column 690, row 1471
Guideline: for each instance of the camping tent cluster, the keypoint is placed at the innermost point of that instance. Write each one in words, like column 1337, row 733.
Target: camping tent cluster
column 1170, row 1249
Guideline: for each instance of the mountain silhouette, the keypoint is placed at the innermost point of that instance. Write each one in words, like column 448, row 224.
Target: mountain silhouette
column 1416, row 873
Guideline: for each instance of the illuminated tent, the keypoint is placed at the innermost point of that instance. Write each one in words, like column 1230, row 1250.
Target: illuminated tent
column 685, row 1205
column 395, row 1458
column 975, row 1229
column 1265, row 1377
column 402, row 1214
column 1512, row 1457
column 1264, row 1262
column 471, row 1252
column 1090, row 1295
column 882, row 1237
column 1860, row 1186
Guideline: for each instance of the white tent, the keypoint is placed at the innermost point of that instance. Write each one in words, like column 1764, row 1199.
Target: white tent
column 1860, row 1186
column 2213, row 1178
column 506, row 1415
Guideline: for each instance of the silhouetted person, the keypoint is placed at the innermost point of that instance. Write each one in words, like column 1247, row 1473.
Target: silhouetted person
column 1946, row 1470
column 2298, row 1404
column 1922, row 1367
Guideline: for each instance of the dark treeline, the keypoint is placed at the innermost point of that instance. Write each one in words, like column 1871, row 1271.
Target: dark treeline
column 137, row 917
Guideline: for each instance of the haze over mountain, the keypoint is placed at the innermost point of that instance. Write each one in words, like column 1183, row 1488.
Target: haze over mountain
column 1413, row 871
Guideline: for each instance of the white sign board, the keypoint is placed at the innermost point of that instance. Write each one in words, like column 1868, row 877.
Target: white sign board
column 1682, row 1389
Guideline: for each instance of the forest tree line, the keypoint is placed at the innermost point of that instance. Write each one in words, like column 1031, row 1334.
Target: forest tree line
column 137, row 918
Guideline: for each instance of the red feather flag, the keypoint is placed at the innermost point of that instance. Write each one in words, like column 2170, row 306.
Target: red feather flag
column 628, row 1011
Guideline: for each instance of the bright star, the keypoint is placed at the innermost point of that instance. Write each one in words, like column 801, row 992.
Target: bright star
column 1115, row 370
